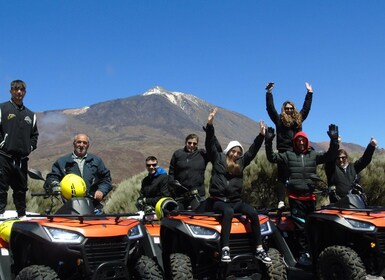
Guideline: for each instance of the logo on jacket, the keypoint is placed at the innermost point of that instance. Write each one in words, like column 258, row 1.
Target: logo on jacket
column 28, row 120
column 11, row 116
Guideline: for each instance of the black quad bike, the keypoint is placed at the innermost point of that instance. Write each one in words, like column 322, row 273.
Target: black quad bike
column 74, row 243
column 190, row 241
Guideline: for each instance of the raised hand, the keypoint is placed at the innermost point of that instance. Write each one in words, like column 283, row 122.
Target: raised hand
column 333, row 131
column 308, row 87
column 262, row 128
column 212, row 112
column 373, row 142
column 269, row 87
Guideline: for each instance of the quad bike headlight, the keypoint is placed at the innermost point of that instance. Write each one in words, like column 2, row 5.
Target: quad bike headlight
column 58, row 235
column 202, row 232
column 135, row 232
column 359, row 225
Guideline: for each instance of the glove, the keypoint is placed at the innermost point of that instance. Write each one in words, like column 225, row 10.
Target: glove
column 148, row 209
column 333, row 132
column 269, row 136
column 140, row 203
column 55, row 188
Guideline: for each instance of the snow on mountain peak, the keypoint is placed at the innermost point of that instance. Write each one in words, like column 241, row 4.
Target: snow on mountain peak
column 174, row 97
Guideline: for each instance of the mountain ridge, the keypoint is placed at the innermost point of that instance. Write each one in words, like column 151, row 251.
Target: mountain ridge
column 125, row 131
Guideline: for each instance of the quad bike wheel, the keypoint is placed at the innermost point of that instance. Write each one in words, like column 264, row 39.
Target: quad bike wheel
column 181, row 268
column 339, row 262
column 276, row 270
column 37, row 272
column 147, row 269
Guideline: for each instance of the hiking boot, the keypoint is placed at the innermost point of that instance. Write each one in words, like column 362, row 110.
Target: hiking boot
column 281, row 204
column 304, row 259
column 226, row 254
column 261, row 255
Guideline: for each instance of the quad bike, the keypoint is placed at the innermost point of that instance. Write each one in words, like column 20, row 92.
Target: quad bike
column 286, row 241
column 346, row 239
column 74, row 243
column 190, row 245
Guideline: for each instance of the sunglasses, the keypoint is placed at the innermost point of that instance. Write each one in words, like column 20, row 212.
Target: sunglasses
column 289, row 108
column 18, row 88
column 341, row 157
column 192, row 143
column 151, row 164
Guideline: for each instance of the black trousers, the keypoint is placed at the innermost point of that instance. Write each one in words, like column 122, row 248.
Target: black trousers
column 299, row 210
column 282, row 176
column 13, row 173
column 227, row 209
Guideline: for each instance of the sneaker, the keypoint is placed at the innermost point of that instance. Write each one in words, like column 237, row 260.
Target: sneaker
column 261, row 255
column 304, row 259
column 23, row 218
column 226, row 254
column 281, row 204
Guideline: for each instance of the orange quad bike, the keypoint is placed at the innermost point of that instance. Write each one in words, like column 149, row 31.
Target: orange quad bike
column 190, row 244
column 74, row 243
column 346, row 239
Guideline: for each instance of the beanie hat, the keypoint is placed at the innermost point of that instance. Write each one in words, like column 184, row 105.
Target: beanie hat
column 231, row 145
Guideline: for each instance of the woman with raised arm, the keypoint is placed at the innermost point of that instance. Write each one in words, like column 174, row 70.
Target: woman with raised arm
column 226, row 186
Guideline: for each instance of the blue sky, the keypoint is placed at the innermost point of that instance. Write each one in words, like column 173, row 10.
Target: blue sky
column 79, row 53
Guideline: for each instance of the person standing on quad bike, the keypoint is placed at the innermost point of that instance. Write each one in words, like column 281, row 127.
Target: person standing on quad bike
column 301, row 164
column 88, row 166
column 18, row 138
column 187, row 167
column 341, row 173
column 154, row 185
column 226, row 186
column 287, row 124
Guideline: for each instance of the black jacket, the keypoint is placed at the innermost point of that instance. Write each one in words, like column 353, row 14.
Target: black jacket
column 285, row 134
column 302, row 165
column 342, row 179
column 189, row 168
column 154, row 187
column 18, row 130
column 224, row 185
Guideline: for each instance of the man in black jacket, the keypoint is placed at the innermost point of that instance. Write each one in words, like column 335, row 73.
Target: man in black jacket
column 154, row 185
column 187, row 166
column 18, row 138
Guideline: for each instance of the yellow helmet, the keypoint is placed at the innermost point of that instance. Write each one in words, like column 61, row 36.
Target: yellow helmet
column 164, row 206
column 73, row 185
column 5, row 229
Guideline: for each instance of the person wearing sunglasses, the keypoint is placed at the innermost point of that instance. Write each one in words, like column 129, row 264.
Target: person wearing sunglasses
column 187, row 171
column 342, row 173
column 154, row 185
column 88, row 166
column 287, row 124
column 18, row 138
